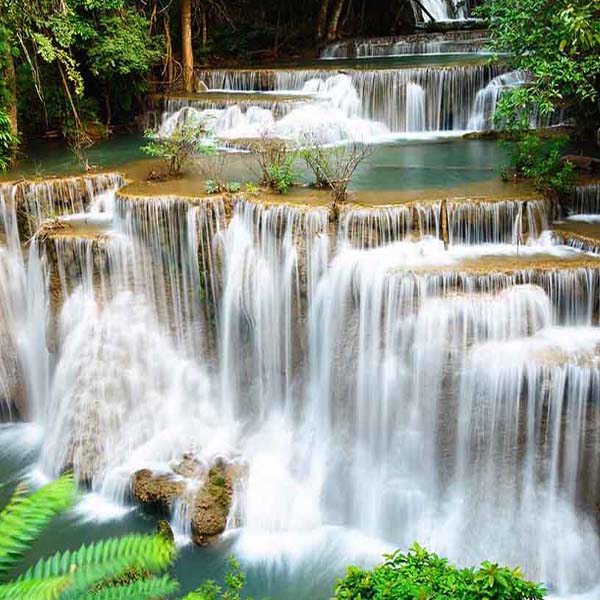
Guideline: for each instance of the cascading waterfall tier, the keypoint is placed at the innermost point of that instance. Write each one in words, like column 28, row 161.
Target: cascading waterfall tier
column 455, row 380
column 447, row 100
column 454, row 220
column 37, row 200
column 451, row 42
column 586, row 199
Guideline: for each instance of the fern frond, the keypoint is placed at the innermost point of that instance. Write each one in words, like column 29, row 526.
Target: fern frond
column 35, row 589
column 25, row 517
column 90, row 564
column 138, row 590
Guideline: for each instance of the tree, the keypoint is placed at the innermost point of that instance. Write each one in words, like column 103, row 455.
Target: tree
column 76, row 51
column 558, row 43
column 186, row 46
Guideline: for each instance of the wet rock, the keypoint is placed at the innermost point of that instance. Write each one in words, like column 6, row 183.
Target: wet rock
column 212, row 504
column 190, row 467
column 156, row 491
column 164, row 530
column 587, row 164
column 209, row 491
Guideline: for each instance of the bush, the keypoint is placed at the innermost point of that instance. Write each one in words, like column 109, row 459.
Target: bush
column 179, row 148
column 420, row 574
column 282, row 176
column 333, row 167
column 8, row 141
column 275, row 160
column 540, row 161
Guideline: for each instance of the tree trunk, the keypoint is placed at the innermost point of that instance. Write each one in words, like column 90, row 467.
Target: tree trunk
column 332, row 30
column 12, row 90
column 322, row 24
column 204, row 30
column 169, row 67
column 186, row 46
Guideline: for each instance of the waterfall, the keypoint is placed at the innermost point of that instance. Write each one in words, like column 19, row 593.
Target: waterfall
column 586, row 199
column 355, row 104
column 451, row 42
column 486, row 101
column 415, row 107
column 381, row 383
column 444, row 10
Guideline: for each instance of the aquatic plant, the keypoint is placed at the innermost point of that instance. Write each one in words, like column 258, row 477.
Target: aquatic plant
column 422, row 574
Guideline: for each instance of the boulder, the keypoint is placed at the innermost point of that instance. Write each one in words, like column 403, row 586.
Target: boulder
column 157, row 492
column 212, row 504
column 209, row 490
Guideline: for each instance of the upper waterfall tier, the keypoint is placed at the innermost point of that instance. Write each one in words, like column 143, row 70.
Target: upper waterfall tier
column 343, row 103
column 450, row 42
column 404, row 100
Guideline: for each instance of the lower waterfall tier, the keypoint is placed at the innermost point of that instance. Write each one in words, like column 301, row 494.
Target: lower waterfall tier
column 298, row 382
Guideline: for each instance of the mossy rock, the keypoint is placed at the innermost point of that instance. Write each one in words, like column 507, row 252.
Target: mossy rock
column 156, row 492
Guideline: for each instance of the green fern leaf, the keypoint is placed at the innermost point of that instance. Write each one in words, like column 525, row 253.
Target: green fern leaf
column 138, row 590
column 25, row 517
column 90, row 564
column 35, row 589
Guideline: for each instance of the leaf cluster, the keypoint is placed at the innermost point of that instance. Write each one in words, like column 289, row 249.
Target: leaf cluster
column 540, row 160
column 558, row 43
column 421, row 575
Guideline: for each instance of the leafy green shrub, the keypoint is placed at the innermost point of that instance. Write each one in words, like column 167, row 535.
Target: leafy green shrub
column 217, row 187
column 275, row 160
column 282, row 176
column 540, row 161
column 421, row 575
column 179, row 148
column 8, row 141
column 251, row 188
column 234, row 584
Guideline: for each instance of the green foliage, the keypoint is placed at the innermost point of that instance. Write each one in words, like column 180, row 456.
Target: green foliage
column 179, row 148
column 421, row 575
column 78, row 57
column 217, row 187
column 282, row 176
column 276, row 163
column 251, row 188
column 540, row 161
column 234, row 584
column 8, row 141
column 558, row 42
column 118, row 568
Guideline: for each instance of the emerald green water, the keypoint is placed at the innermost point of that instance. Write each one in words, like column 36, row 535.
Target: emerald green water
column 397, row 165
column 194, row 564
